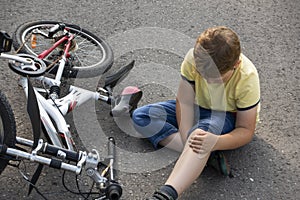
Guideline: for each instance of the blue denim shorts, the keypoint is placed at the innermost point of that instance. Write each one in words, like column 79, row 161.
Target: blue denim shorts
column 158, row 121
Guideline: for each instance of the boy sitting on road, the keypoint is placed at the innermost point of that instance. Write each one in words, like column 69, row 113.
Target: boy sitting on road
column 216, row 108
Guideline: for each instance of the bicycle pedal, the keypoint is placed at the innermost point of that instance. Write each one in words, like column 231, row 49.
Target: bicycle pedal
column 5, row 42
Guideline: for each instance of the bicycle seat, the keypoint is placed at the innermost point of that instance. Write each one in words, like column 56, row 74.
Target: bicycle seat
column 112, row 80
column 130, row 97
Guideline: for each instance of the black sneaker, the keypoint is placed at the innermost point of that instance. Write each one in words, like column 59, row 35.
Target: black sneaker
column 218, row 161
column 159, row 195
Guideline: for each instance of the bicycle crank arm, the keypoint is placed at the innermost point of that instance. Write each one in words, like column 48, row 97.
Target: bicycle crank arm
column 16, row 58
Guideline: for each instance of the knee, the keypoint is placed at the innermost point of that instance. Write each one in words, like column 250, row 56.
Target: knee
column 211, row 126
column 144, row 115
column 139, row 116
column 194, row 131
column 203, row 127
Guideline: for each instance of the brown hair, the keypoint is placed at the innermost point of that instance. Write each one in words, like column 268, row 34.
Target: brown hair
column 216, row 51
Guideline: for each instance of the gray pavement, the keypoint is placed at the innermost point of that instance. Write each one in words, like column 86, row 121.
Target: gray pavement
column 157, row 35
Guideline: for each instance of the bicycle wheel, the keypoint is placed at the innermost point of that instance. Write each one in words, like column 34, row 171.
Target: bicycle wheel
column 7, row 128
column 90, row 55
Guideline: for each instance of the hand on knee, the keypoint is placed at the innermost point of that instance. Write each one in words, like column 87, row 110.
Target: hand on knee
column 202, row 142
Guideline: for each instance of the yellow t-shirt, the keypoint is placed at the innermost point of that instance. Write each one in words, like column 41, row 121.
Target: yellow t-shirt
column 240, row 92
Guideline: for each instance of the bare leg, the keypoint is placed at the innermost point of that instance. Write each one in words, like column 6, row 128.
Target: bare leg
column 187, row 169
column 173, row 142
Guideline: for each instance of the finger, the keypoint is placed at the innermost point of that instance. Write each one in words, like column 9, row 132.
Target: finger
column 196, row 150
column 197, row 137
column 199, row 133
column 195, row 146
column 195, row 142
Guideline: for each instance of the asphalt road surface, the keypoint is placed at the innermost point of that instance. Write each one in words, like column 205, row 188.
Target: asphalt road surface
column 157, row 34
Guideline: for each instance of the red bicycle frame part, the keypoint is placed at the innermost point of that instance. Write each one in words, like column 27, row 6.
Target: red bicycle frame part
column 56, row 44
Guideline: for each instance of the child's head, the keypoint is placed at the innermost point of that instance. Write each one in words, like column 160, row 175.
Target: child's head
column 216, row 51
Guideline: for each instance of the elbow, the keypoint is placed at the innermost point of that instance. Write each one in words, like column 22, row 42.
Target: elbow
column 248, row 135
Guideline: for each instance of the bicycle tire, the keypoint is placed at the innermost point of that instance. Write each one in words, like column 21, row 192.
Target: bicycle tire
column 7, row 128
column 90, row 57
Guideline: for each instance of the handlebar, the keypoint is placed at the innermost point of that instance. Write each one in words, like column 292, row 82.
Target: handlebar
column 87, row 161
column 114, row 190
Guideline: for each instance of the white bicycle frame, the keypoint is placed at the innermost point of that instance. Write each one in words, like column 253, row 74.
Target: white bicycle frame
column 56, row 109
column 52, row 113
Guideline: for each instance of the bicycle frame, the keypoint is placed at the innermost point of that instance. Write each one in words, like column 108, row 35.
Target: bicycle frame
column 55, row 108
column 69, row 37
column 62, row 61
column 52, row 111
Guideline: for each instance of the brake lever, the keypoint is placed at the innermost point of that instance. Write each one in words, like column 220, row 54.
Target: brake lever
column 91, row 166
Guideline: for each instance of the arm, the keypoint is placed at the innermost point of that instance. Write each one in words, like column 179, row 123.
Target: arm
column 243, row 132
column 204, row 142
column 185, row 108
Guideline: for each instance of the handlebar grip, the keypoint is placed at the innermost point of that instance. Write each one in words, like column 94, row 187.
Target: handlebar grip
column 54, row 150
column 111, row 157
column 111, row 147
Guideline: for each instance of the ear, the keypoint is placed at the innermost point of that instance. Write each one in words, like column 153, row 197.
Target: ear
column 237, row 64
